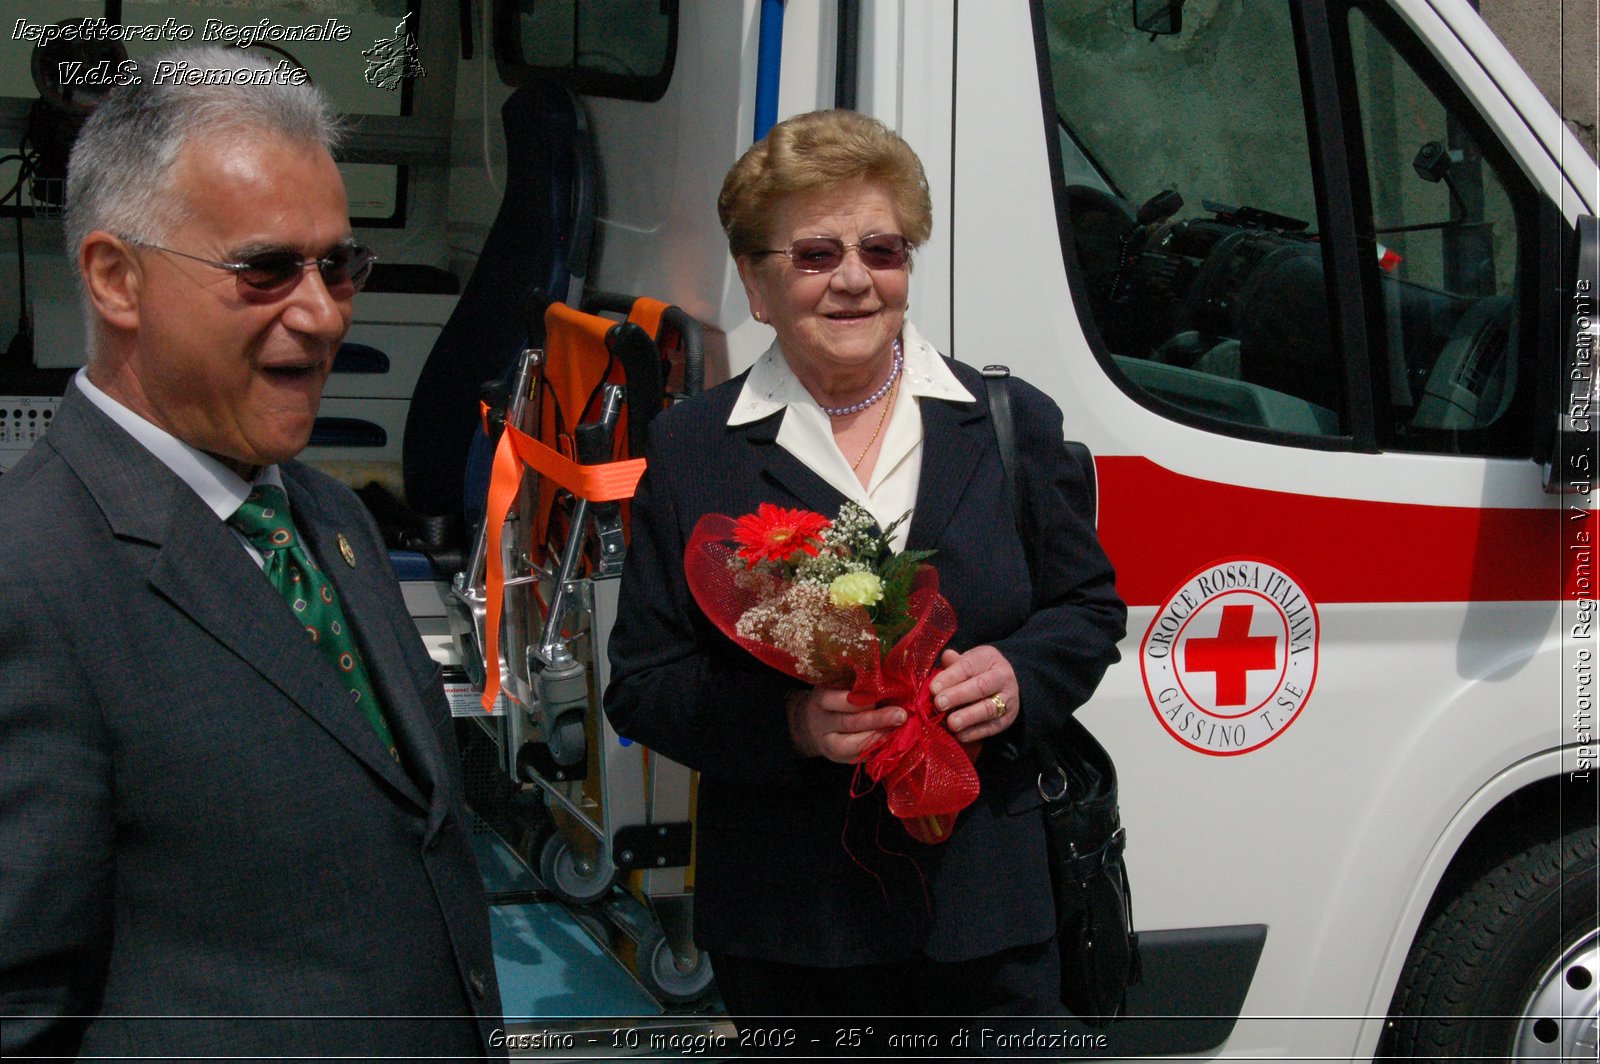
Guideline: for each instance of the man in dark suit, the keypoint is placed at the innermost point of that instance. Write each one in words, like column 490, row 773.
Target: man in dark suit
column 216, row 838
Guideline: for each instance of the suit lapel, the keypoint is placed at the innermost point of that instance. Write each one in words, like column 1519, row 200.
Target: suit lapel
column 201, row 569
column 951, row 447
column 780, row 468
column 380, row 650
column 203, row 572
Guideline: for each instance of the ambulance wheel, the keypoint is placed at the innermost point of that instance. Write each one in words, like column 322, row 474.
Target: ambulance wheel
column 1510, row 968
column 572, row 877
column 669, row 977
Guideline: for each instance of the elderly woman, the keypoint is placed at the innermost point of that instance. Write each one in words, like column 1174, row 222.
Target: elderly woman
column 808, row 900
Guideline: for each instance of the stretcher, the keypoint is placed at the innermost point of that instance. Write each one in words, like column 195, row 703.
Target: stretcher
column 533, row 609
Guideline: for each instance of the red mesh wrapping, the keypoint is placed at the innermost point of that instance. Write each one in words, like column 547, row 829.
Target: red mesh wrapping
column 928, row 777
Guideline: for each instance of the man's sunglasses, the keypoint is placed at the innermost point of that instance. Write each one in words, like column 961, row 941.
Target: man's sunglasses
column 823, row 254
column 276, row 273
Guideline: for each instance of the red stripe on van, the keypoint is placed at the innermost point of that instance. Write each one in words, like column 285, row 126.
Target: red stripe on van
column 1159, row 526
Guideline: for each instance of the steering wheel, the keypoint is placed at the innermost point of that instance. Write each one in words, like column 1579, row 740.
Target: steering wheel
column 1100, row 223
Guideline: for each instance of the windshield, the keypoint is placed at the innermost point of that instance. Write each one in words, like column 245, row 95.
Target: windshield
column 1197, row 111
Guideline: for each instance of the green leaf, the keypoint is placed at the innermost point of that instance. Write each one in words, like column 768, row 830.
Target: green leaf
column 891, row 618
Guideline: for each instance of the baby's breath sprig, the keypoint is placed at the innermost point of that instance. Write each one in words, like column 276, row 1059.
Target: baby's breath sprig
column 849, row 545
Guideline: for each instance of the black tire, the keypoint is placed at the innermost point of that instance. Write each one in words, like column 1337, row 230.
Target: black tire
column 1485, row 968
column 672, row 979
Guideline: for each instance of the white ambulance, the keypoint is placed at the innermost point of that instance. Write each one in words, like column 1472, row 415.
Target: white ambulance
column 1305, row 278
column 1315, row 281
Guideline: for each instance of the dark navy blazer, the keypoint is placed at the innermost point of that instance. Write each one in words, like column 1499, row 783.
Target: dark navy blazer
column 194, row 819
column 789, row 867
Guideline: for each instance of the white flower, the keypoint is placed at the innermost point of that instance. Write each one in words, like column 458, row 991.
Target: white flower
column 856, row 589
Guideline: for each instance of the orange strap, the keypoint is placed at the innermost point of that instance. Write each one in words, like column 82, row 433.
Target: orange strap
column 605, row 482
column 577, row 362
column 574, row 342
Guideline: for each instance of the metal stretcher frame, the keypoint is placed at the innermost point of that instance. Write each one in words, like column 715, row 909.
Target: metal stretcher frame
column 534, row 608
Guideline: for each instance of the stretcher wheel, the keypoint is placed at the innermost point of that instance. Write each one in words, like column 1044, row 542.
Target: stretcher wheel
column 669, row 977
column 572, row 877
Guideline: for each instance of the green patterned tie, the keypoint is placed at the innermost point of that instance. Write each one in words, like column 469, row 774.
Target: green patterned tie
column 264, row 520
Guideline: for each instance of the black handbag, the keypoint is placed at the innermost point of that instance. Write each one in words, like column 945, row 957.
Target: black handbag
column 1083, row 828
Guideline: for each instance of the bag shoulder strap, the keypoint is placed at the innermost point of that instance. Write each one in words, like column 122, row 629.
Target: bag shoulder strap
column 1090, row 766
column 996, row 380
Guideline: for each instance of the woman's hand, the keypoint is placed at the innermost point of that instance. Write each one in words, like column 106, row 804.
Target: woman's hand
column 979, row 691
column 822, row 722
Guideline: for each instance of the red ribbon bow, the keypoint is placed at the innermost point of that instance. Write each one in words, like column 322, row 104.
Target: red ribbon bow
column 928, row 777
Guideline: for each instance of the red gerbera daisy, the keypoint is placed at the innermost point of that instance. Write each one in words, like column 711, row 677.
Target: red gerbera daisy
column 775, row 534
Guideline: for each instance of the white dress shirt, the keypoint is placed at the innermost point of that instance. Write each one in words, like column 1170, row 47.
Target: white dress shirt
column 220, row 488
column 807, row 433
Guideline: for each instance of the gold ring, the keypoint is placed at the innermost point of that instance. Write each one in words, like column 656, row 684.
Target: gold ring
column 999, row 706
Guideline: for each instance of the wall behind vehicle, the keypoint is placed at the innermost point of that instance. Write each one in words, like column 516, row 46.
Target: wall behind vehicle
column 1554, row 41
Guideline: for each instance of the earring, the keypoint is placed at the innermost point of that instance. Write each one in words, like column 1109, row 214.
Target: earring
column 757, row 315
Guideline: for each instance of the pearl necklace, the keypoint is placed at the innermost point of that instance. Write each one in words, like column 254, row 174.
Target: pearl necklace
column 883, row 417
column 856, row 408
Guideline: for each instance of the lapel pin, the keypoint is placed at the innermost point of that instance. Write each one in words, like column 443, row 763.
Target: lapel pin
column 344, row 550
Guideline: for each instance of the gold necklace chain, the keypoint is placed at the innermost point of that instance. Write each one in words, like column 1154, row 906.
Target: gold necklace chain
column 883, row 417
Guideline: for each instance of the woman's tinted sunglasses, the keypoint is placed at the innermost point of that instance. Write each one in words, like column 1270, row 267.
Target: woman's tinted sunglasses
column 824, row 254
column 275, row 273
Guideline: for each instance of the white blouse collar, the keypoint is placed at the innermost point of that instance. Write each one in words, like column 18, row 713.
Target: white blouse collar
column 772, row 385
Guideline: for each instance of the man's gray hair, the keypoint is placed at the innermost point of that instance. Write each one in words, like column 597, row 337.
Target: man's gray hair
column 120, row 173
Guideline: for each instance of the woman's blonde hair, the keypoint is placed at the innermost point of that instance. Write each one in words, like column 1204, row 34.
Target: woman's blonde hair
column 821, row 150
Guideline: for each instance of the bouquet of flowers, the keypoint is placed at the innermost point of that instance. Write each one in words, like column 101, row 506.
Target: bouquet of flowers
column 829, row 602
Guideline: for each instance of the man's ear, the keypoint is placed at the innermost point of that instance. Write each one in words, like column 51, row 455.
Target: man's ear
column 113, row 278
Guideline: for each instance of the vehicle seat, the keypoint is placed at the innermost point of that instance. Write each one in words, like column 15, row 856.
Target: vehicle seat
column 537, row 249
column 1285, row 339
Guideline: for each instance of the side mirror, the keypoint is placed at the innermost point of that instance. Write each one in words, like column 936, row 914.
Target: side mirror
column 1570, row 466
column 1158, row 18
column 1433, row 161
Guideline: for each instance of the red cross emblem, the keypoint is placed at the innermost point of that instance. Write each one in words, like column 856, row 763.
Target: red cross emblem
column 1232, row 654
column 1262, row 654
